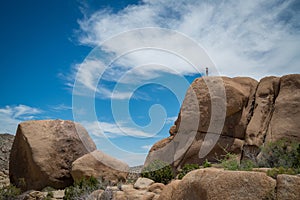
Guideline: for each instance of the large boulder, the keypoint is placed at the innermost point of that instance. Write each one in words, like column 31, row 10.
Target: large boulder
column 288, row 187
column 238, row 92
column 213, row 118
column 168, row 193
column 43, row 152
column 286, row 116
column 266, row 93
column 100, row 165
column 256, row 114
column 276, row 114
column 210, row 183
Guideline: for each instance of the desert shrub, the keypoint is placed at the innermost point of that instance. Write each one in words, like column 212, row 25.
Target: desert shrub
column 206, row 164
column 281, row 170
column 230, row 162
column 186, row 169
column 281, row 153
column 247, row 165
column 9, row 192
column 48, row 189
column 158, row 171
column 50, row 194
column 297, row 160
column 82, row 188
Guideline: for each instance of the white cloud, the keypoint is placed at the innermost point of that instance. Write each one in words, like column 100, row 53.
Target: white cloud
column 134, row 159
column 11, row 116
column 244, row 38
column 61, row 107
column 112, row 130
column 146, row 147
column 171, row 120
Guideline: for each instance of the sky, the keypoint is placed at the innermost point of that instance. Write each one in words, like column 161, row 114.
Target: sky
column 121, row 68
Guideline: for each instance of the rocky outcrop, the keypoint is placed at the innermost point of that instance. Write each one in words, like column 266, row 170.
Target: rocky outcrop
column 100, row 165
column 288, row 187
column 40, row 195
column 276, row 113
column 125, row 192
column 129, row 192
column 286, row 116
column 6, row 141
column 210, row 183
column 168, row 192
column 255, row 114
column 265, row 96
column 43, row 152
column 207, row 124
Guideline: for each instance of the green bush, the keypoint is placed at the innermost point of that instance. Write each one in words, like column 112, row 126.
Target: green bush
column 48, row 189
column 9, row 192
column 206, row 164
column 297, row 160
column 247, row 165
column 281, row 153
column 50, row 194
column 230, row 162
column 82, row 188
column 158, row 171
column 186, row 169
column 281, row 170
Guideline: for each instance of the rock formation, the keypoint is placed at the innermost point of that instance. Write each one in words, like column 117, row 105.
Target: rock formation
column 288, row 187
column 253, row 113
column 276, row 113
column 201, row 117
column 100, row 165
column 6, row 141
column 43, row 152
column 210, row 183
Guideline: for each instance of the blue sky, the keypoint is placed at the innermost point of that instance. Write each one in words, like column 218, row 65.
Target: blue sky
column 45, row 44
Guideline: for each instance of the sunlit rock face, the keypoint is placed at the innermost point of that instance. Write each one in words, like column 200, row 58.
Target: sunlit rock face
column 43, row 152
column 255, row 113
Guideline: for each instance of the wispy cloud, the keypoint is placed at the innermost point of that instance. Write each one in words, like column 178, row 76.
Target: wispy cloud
column 61, row 107
column 171, row 120
column 112, row 130
column 11, row 116
column 244, row 38
column 146, row 147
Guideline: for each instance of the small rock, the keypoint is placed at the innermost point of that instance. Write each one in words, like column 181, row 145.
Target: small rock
column 143, row 183
column 95, row 195
column 35, row 195
column 156, row 188
column 58, row 194
column 113, row 188
column 127, row 187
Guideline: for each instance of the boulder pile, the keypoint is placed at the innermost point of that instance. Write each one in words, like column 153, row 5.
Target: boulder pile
column 55, row 152
column 254, row 113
